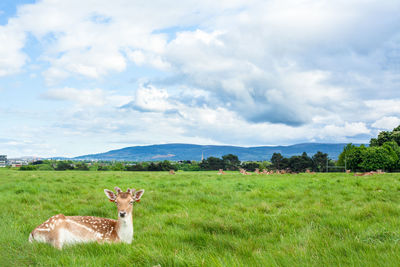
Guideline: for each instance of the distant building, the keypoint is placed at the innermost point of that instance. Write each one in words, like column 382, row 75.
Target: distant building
column 3, row 160
column 17, row 162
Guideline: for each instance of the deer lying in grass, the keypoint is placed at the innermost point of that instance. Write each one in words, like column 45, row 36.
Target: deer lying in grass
column 221, row 172
column 244, row 172
column 62, row 230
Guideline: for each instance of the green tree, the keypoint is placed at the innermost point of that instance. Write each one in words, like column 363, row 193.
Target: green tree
column 154, row 167
column 353, row 156
column 295, row 163
column 265, row 165
column 299, row 163
column 251, row 166
column 276, row 161
column 28, row 168
column 319, row 161
column 396, row 136
column 45, row 167
column 306, row 162
column 373, row 142
column 384, row 137
column 166, row 166
column 118, row 166
column 383, row 153
column 189, row 166
column 136, row 167
column 64, row 165
column 103, row 167
column 212, row 163
column 231, row 162
column 393, row 150
column 375, row 158
column 81, row 166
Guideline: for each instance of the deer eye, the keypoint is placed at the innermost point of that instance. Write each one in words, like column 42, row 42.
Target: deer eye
column 131, row 202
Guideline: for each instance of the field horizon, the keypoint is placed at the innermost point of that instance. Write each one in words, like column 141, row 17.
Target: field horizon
column 203, row 219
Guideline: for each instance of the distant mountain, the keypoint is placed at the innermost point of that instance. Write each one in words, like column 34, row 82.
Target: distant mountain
column 175, row 152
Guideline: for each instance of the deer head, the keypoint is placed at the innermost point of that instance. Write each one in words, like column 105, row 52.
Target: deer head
column 124, row 200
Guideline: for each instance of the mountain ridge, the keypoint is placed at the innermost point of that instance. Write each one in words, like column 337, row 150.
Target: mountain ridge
column 181, row 151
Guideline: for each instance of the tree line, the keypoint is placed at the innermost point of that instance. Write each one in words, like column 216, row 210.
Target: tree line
column 63, row 165
column 383, row 153
column 228, row 162
column 318, row 162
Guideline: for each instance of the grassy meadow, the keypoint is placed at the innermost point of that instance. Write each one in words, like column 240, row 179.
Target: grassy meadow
column 202, row 219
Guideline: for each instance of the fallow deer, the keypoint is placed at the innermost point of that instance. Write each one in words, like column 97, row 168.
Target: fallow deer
column 244, row 172
column 61, row 230
column 221, row 172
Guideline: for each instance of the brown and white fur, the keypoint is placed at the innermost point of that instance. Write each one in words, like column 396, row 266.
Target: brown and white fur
column 61, row 230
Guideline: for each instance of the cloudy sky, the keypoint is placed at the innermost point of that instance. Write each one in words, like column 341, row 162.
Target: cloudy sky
column 79, row 77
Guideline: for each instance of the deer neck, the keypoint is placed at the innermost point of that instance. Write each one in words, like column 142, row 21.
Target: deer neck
column 125, row 228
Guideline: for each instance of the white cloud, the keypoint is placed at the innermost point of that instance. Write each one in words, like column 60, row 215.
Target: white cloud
column 384, row 107
column 93, row 118
column 141, row 58
column 87, row 98
column 11, row 58
column 149, row 98
column 348, row 129
column 386, row 123
column 91, row 38
column 237, row 72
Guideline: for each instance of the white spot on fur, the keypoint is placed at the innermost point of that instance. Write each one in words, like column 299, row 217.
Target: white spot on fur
column 81, row 225
column 43, row 229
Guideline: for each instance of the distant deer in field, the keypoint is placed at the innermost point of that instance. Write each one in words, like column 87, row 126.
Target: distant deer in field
column 257, row 171
column 265, row 171
column 171, row 172
column 364, row 174
column 244, row 172
column 221, row 172
column 62, row 230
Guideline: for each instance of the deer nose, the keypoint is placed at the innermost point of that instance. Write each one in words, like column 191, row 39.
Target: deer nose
column 122, row 214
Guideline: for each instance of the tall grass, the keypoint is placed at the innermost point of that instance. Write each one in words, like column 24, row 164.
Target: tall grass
column 202, row 219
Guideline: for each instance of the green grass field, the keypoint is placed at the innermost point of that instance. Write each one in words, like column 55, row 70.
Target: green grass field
column 202, row 219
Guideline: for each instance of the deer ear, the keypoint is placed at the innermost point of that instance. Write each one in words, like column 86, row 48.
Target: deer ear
column 118, row 190
column 131, row 191
column 110, row 194
column 138, row 195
